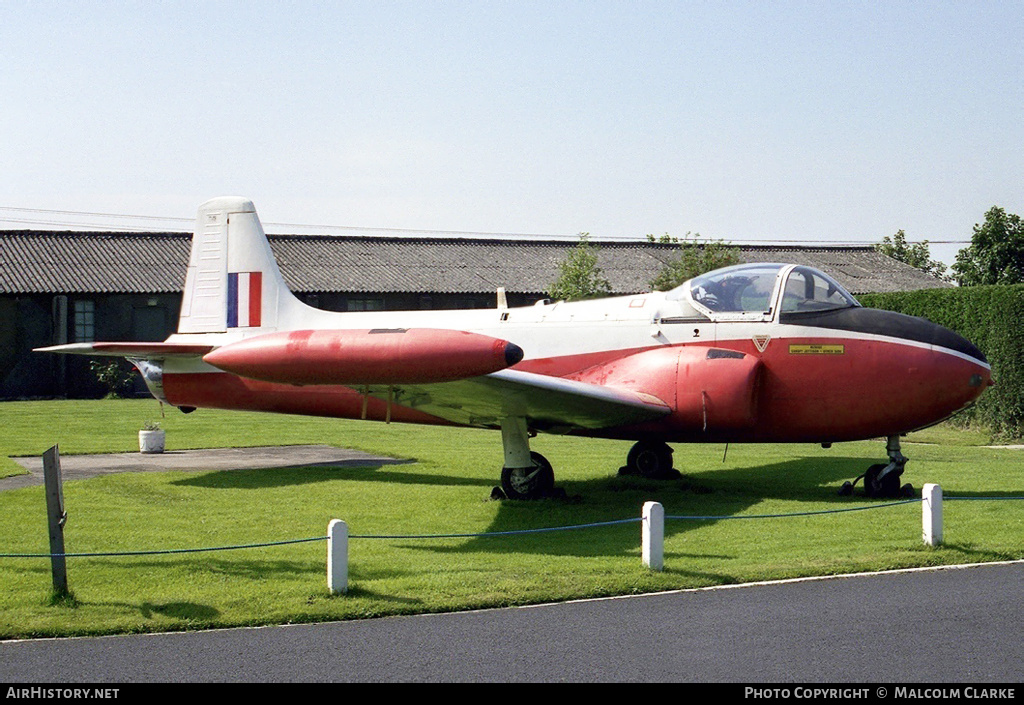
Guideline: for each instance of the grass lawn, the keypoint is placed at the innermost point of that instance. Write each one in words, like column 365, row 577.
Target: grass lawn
column 445, row 490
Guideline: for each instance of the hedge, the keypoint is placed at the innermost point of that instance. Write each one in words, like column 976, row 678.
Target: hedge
column 991, row 317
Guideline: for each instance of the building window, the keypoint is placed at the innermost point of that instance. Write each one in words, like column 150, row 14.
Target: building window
column 366, row 304
column 85, row 321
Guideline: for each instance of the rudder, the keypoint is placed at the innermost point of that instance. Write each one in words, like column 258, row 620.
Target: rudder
column 233, row 280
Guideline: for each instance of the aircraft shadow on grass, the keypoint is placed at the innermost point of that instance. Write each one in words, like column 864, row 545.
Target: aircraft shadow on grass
column 714, row 493
column 724, row 492
column 262, row 478
column 767, row 477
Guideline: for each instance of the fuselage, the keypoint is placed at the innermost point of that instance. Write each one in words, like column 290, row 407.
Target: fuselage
column 776, row 356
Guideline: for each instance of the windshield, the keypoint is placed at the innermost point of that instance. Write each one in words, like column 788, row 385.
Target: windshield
column 810, row 290
column 745, row 288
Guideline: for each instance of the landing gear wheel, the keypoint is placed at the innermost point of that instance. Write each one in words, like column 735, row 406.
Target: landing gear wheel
column 529, row 483
column 651, row 459
column 883, row 479
column 888, row 486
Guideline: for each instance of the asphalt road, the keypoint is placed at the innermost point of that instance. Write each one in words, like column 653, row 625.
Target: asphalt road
column 958, row 625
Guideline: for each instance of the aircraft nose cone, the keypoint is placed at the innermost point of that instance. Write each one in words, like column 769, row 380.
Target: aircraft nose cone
column 513, row 354
column 947, row 339
column 962, row 366
column 957, row 372
column 921, row 330
column 979, row 373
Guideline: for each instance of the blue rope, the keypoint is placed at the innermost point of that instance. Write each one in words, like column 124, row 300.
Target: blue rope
column 159, row 552
column 318, row 538
column 497, row 533
column 482, row 535
column 990, row 499
column 793, row 514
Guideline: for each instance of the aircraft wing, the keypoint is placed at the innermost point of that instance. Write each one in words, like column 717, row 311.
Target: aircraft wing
column 550, row 404
column 138, row 350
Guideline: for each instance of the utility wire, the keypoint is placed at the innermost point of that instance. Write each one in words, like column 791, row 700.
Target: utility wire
column 382, row 230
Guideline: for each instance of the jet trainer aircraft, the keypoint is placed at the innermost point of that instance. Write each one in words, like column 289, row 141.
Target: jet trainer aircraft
column 761, row 353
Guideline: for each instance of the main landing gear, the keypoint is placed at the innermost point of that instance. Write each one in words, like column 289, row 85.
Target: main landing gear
column 533, row 482
column 652, row 459
column 526, row 474
column 883, row 480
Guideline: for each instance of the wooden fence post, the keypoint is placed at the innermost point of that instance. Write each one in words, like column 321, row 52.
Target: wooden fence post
column 57, row 518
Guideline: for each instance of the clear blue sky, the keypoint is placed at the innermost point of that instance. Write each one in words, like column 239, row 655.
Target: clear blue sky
column 807, row 121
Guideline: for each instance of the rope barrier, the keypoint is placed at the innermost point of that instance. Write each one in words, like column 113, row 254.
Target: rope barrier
column 488, row 534
column 991, row 499
column 160, row 552
column 496, row 533
column 792, row 514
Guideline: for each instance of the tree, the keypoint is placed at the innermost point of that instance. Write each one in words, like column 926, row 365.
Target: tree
column 996, row 252
column 580, row 276
column 694, row 258
column 915, row 254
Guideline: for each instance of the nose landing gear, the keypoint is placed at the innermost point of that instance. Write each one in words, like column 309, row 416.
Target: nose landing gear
column 883, row 480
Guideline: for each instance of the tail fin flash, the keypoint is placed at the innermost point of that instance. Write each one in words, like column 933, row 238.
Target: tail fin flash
column 233, row 280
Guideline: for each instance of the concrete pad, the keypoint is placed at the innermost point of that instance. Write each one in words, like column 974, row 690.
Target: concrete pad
column 79, row 467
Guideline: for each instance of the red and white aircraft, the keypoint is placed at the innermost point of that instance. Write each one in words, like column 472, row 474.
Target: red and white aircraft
column 756, row 353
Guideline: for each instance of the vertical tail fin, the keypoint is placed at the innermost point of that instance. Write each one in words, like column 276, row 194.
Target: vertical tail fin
column 233, row 280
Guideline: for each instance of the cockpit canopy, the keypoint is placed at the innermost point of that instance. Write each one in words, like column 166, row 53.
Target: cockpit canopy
column 810, row 290
column 746, row 290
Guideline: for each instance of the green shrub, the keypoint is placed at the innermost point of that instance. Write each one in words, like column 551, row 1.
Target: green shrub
column 115, row 374
column 990, row 317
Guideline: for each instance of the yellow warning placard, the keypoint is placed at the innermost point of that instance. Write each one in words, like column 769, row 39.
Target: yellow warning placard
column 816, row 349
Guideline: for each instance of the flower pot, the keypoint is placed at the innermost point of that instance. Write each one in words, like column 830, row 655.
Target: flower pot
column 151, row 441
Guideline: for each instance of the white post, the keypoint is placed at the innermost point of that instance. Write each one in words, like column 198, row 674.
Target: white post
column 653, row 532
column 931, row 514
column 337, row 557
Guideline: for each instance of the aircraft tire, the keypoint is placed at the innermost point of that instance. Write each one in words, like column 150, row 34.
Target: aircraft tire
column 529, row 483
column 888, row 486
column 652, row 459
